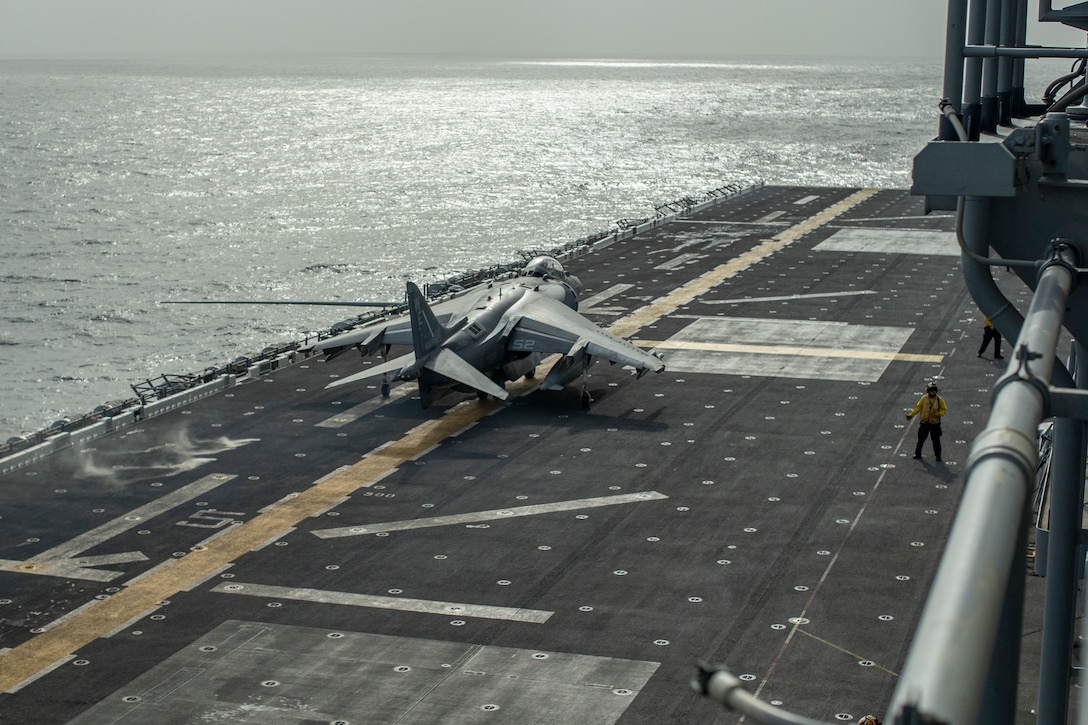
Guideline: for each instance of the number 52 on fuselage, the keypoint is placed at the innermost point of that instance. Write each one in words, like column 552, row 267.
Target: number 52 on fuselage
column 490, row 334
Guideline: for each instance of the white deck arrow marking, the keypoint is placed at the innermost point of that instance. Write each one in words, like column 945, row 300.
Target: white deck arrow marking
column 65, row 560
column 493, row 515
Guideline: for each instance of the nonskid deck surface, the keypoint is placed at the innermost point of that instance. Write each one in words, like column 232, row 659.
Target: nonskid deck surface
column 279, row 552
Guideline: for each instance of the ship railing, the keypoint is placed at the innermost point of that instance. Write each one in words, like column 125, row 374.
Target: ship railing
column 688, row 203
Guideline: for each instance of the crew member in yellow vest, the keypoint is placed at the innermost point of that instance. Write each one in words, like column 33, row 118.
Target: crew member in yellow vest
column 989, row 332
column 930, row 409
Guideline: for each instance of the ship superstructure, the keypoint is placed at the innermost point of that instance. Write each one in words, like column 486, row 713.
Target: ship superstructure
column 1016, row 176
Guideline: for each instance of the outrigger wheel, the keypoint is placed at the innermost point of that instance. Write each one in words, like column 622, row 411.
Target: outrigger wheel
column 587, row 399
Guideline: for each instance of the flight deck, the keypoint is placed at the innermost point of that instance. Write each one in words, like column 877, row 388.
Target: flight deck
column 275, row 551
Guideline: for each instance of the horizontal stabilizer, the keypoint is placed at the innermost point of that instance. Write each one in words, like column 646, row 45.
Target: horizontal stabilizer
column 393, row 367
column 455, row 367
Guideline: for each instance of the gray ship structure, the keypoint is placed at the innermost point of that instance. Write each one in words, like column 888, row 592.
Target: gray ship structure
column 749, row 528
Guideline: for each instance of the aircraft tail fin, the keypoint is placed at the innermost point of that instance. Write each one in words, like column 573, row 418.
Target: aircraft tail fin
column 427, row 332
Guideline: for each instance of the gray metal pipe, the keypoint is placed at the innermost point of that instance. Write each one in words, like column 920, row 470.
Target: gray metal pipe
column 1005, row 63
column 989, row 68
column 1020, row 39
column 972, row 69
column 973, row 230
column 955, row 34
column 999, row 699
column 949, row 660
column 948, row 666
column 972, row 51
column 723, row 686
column 974, row 233
column 1066, row 511
column 1082, row 709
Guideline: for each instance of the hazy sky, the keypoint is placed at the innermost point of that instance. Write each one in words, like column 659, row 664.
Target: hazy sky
column 570, row 28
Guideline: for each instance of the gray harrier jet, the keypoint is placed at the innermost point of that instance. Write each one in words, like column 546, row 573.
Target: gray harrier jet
column 490, row 334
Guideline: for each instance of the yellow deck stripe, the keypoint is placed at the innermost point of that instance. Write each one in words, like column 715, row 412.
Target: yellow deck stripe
column 788, row 350
column 683, row 295
column 48, row 648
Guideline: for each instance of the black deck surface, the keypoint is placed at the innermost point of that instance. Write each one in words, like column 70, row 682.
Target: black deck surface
column 278, row 552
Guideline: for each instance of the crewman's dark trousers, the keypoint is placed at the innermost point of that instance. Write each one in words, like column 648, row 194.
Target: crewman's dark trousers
column 933, row 431
column 988, row 334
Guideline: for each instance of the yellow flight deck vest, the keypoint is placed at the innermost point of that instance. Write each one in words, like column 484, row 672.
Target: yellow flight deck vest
column 931, row 410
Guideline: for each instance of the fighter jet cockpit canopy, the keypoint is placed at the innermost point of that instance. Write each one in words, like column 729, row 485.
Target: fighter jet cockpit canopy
column 550, row 268
column 544, row 267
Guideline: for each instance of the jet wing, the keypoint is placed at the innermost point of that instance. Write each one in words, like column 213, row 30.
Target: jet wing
column 372, row 336
column 543, row 324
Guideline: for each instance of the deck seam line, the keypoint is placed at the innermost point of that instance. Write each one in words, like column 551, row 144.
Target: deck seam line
column 799, row 620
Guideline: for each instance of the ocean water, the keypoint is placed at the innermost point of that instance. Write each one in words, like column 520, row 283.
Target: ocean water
column 125, row 182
